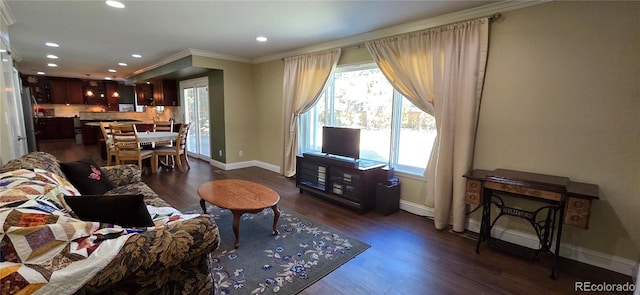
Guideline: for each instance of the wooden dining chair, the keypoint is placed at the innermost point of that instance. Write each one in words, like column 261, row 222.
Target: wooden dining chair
column 127, row 146
column 180, row 149
column 105, row 127
column 163, row 125
column 166, row 126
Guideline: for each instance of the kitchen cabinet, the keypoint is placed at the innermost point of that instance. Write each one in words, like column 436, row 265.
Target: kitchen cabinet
column 144, row 127
column 39, row 87
column 113, row 99
column 159, row 92
column 166, row 92
column 54, row 128
column 144, row 94
column 93, row 92
column 66, row 91
column 127, row 94
column 90, row 134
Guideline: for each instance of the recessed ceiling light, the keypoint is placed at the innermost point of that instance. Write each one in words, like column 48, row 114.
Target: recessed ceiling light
column 5, row 60
column 3, row 50
column 261, row 39
column 51, row 44
column 122, row 64
column 51, row 56
column 52, row 65
column 115, row 4
column 40, row 73
column 107, row 78
column 136, row 55
column 112, row 70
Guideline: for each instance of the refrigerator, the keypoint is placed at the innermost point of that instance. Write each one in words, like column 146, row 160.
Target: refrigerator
column 29, row 105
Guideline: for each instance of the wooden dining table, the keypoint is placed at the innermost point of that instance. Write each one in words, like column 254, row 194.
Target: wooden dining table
column 149, row 137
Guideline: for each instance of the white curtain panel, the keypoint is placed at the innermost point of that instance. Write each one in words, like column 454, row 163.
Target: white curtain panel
column 304, row 78
column 441, row 71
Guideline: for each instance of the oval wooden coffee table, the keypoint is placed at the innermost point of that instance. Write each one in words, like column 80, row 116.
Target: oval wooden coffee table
column 239, row 196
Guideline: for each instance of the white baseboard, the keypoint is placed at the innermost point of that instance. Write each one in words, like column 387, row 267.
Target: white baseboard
column 614, row 263
column 239, row 165
column 267, row 166
column 417, row 209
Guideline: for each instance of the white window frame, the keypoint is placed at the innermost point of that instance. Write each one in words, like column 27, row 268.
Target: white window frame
column 308, row 130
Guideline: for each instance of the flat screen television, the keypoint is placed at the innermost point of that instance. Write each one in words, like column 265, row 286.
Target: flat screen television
column 341, row 141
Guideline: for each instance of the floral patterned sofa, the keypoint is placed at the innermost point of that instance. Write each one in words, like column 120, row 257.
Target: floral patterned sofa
column 44, row 249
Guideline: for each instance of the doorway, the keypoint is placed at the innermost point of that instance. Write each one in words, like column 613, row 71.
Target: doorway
column 13, row 109
column 195, row 99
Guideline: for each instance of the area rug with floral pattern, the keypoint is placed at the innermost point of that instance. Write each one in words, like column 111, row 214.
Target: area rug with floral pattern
column 303, row 252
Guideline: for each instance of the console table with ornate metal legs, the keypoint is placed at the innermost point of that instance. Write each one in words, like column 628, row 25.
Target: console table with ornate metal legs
column 568, row 200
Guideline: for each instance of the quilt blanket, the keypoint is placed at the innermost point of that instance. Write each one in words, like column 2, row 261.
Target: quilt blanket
column 43, row 248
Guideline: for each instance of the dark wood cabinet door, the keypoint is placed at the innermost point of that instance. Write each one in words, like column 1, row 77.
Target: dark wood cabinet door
column 66, row 128
column 144, row 127
column 90, row 134
column 66, row 91
column 163, row 91
column 74, row 92
column 58, row 89
column 170, row 93
column 55, row 128
column 144, row 93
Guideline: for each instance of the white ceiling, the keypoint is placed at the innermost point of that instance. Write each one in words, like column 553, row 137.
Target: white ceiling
column 94, row 37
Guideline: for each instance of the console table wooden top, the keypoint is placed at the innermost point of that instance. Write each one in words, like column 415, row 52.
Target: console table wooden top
column 571, row 199
column 558, row 184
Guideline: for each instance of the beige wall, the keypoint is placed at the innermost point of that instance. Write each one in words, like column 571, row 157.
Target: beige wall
column 268, row 92
column 561, row 97
column 239, row 107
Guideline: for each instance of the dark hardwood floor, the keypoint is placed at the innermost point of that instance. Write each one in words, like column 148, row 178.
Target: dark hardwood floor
column 407, row 255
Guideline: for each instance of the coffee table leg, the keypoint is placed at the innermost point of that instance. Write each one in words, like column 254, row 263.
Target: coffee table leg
column 276, row 216
column 236, row 226
column 204, row 206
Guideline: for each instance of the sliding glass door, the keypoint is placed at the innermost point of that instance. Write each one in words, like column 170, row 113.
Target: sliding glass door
column 195, row 99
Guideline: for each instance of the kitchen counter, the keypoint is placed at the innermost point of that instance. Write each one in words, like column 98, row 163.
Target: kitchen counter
column 114, row 116
column 96, row 123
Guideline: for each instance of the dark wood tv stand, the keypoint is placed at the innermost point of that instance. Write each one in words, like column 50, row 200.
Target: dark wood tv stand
column 347, row 182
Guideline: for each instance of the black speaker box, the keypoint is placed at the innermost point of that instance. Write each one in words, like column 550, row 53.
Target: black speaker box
column 388, row 197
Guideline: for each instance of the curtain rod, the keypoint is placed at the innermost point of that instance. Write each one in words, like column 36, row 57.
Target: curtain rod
column 494, row 17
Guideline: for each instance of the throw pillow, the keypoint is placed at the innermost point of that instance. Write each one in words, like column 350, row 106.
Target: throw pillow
column 87, row 177
column 122, row 210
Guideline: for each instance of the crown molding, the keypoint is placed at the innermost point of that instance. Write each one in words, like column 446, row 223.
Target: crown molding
column 441, row 20
column 203, row 53
column 185, row 53
column 354, row 40
column 176, row 56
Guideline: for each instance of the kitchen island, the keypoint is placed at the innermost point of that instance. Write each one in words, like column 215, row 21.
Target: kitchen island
column 91, row 133
column 51, row 127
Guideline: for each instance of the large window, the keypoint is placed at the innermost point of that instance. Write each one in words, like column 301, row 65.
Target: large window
column 393, row 130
